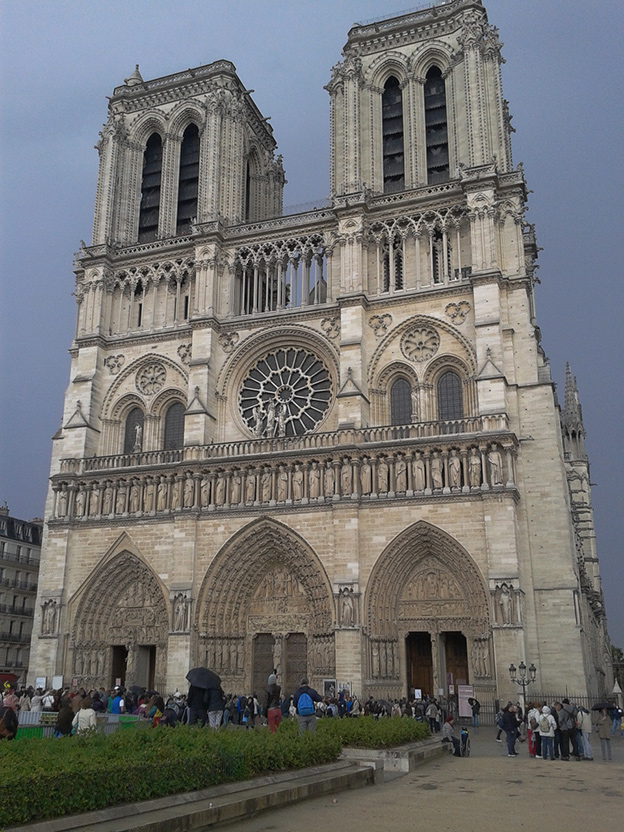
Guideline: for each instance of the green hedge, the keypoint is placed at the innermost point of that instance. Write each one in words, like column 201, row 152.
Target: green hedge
column 367, row 732
column 47, row 778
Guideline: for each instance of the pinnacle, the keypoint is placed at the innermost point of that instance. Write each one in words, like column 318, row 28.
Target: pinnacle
column 135, row 78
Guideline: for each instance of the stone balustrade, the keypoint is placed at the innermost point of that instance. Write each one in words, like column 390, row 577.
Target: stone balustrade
column 377, row 468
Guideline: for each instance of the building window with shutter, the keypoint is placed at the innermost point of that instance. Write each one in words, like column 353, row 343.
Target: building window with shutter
column 392, row 130
column 436, row 132
column 150, row 189
column 189, row 180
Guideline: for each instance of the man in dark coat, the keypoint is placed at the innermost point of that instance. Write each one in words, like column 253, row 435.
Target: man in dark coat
column 197, row 701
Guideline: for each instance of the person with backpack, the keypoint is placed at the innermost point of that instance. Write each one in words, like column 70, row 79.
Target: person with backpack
column 304, row 700
column 546, row 728
column 535, row 740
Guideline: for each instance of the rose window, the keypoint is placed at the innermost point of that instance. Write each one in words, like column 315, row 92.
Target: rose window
column 151, row 378
column 287, row 393
column 420, row 344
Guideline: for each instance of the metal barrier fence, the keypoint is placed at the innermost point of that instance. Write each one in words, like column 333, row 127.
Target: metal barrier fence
column 42, row 723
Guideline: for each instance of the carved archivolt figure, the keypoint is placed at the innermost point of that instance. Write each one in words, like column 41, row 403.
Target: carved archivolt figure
column 454, row 469
column 315, row 481
column 418, row 472
column 366, row 478
column 437, row 476
column 401, row 475
column 474, row 468
column 496, row 465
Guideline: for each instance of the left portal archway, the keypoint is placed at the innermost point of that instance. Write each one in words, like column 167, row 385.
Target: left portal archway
column 266, row 603
column 122, row 613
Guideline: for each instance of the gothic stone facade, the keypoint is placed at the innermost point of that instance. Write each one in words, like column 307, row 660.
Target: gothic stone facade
column 328, row 442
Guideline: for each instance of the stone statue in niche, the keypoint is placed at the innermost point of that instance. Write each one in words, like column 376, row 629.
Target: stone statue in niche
column 346, row 477
column 297, row 482
column 474, row 468
column 329, row 478
column 382, row 475
column 189, row 492
column 496, row 465
column 270, row 420
column 180, row 613
column 163, row 495
column 505, row 603
column 48, row 623
column 366, row 479
column 175, row 496
column 62, row 503
column 282, row 484
column 277, row 656
column 80, row 503
column 315, row 481
column 347, row 606
column 134, row 497
column 454, row 469
column 250, row 487
column 415, row 408
column 418, row 472
column 220, row 489
column 149, row 496
column 437, row 474
column 94, row 503
column 281, row 421
column 107, row 502
column 265, row 486
column 400, row 474
column 236, row 488
column 257, row 420
column 138, row 439
column 204, row 490
column 120, row 504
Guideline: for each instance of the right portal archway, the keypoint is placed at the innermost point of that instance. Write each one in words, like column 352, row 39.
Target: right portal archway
column 427, row 617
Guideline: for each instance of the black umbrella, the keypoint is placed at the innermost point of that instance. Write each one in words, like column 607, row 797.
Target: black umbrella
column 600, row 706
column 201, row 677
column 137, row 690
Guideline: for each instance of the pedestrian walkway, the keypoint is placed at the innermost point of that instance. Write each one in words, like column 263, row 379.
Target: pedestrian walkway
column 486, row 792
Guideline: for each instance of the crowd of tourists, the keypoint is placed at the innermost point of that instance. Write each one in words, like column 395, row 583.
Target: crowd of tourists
column 561, row 730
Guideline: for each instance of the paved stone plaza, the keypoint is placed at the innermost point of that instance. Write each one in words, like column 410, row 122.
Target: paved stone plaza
column 488, row 792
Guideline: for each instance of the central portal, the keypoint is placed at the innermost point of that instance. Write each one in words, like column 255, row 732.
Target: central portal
column 285, row 655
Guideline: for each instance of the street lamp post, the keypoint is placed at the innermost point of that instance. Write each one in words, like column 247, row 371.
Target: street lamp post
column 519, row 677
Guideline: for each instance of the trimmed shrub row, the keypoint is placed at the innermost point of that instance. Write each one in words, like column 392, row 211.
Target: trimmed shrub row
column 45, row 778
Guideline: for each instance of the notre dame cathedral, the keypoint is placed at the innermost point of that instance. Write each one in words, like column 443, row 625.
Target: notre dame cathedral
column 324, row 442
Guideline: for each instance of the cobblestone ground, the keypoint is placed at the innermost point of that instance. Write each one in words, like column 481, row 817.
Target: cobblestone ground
column 487, row 792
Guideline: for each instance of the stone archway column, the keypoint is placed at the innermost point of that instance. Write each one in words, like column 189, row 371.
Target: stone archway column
column 435, row 663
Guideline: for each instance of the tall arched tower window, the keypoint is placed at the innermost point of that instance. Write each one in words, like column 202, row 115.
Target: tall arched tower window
column 174, row 427
column 436, row 138
column 189, row 179
column 133, row 436
column 400, row 402
column 150, row 189
column 450, row 400
column 392, row 130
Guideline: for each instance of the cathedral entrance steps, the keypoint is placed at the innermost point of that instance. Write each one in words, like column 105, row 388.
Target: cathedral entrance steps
column 223, row 804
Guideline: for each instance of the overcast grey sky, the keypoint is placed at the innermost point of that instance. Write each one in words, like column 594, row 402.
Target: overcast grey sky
column 59, row 60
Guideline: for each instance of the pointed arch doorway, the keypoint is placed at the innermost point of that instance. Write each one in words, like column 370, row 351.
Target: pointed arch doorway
column 120, row 627
column 266, row 605
column 426, row 614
